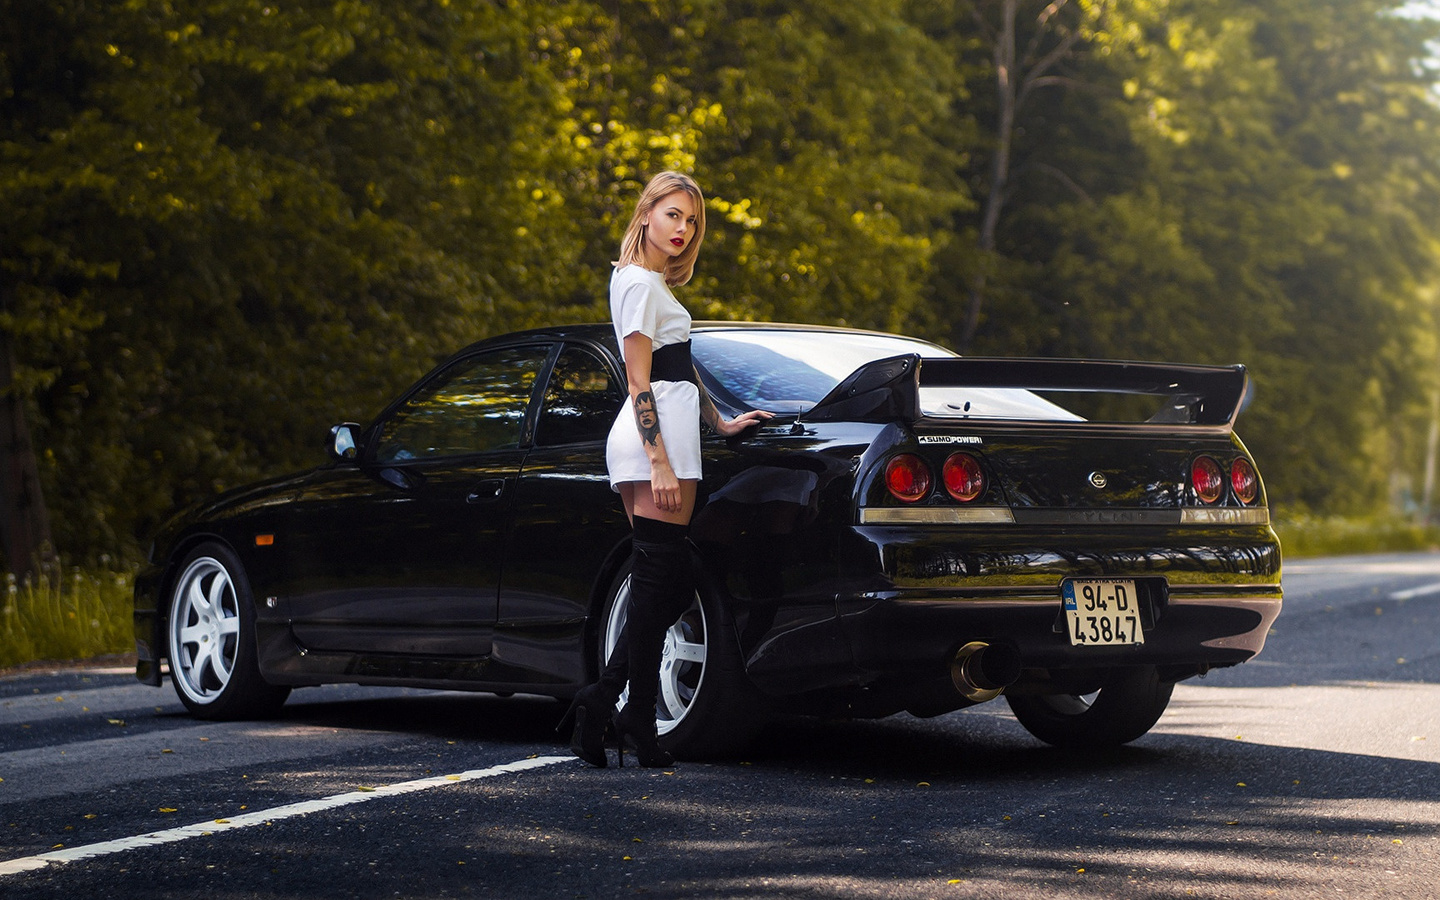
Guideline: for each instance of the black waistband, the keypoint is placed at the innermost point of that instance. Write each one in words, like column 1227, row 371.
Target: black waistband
column 672, row 363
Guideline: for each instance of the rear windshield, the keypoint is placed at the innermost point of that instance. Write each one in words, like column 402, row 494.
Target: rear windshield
column 788, row 372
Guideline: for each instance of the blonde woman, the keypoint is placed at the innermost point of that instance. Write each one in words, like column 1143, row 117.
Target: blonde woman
column 653, row 456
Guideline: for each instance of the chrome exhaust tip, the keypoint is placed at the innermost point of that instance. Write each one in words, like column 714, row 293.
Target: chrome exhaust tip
column 981, row 671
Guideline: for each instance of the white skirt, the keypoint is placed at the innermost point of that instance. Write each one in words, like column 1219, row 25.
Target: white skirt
column 678, row 405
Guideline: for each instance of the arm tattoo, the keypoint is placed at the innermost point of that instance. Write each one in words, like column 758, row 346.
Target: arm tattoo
column 646, row 418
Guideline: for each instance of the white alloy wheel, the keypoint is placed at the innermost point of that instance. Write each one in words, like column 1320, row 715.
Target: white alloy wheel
column 682, row 661
column 204, row 630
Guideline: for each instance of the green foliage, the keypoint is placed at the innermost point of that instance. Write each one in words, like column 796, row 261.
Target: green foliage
column 1302, row 535
column 65, row 614
column 232, row 222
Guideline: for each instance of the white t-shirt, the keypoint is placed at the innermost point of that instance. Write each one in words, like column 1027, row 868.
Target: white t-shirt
column 640, row 300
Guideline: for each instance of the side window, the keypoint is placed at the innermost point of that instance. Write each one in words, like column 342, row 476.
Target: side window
column 580, row 401
column 475, row 406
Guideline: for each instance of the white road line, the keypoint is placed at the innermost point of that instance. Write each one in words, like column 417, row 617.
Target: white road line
column 1423, row 591
column 214, row 826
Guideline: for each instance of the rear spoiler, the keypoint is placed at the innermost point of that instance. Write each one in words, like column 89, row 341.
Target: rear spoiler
column 888, row 390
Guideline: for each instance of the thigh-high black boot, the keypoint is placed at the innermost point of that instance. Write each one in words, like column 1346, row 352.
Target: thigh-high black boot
column 662, row 587
column 594, row 705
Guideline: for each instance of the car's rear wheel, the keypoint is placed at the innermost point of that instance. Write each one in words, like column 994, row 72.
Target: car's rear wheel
column 1120, row 712
column 705, row 706
column 211, row 639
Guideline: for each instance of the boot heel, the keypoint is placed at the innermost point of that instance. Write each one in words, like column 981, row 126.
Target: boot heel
column 643, row 741
column 590, row 718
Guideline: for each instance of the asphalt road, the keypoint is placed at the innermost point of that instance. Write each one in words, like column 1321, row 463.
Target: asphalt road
column 1313, row 771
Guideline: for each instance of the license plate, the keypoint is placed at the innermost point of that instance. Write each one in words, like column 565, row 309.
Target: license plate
column 1102, row 611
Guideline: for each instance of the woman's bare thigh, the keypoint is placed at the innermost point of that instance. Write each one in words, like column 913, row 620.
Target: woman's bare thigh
column 640, row 501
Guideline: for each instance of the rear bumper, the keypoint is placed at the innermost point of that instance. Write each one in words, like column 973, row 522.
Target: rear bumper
column 908, row 598
column 915, row 633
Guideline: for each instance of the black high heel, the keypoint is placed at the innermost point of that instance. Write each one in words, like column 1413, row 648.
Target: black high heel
column 642, row 740
column 590, row 713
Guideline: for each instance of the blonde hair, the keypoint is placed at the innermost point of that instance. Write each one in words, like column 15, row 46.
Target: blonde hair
column 632, row 247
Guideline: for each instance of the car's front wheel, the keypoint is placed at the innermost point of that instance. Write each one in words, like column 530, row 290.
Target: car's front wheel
column 705, row 706
column 1120, row 712
column 211, row 644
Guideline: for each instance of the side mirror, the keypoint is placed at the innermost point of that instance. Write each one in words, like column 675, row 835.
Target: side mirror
column 344, row 441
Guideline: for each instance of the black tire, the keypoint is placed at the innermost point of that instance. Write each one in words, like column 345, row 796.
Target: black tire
column 706, row 707
column 210, row 639
column 1122, row 711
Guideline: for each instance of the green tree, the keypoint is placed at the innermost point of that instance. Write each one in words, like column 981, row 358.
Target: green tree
column 821, row 132
column 232, row 221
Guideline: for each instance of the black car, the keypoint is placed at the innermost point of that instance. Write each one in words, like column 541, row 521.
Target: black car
column 913, row 531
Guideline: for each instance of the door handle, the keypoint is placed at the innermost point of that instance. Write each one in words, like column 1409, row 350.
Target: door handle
column 486, row 491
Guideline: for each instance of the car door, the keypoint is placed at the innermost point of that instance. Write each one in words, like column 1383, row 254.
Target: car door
column 401, row 552
column 567, row 520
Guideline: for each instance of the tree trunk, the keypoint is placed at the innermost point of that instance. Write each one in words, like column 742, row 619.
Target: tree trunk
column 24, row 521
column 1017, row 74
column 1005, row 75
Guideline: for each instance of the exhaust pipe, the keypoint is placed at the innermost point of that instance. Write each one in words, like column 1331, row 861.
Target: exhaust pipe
column 982, row 671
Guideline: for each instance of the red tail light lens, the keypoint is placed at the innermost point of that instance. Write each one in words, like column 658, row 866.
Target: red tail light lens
column 908, row 478
column 963, row 479
column 1243, row 481
column 1208, row 479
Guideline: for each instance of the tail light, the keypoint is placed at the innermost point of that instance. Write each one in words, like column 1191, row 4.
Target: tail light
column 908, row 478
column 1207, row 478
column 963, row 478
column 1243, row 481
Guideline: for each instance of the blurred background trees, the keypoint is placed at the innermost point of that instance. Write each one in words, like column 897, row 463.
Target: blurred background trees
column 229, row 223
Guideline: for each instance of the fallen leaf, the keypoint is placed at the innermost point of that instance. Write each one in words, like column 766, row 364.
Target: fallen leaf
column 923, row 784
column 367, row 790
column 168, row 809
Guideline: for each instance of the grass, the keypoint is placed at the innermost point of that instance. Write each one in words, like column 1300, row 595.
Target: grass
column 1345, row 535
column 65, row 613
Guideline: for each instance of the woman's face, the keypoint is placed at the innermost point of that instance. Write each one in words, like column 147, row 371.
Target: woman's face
column 669, row 228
